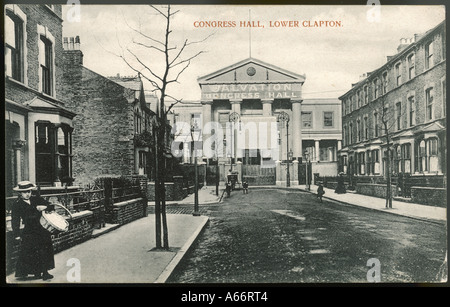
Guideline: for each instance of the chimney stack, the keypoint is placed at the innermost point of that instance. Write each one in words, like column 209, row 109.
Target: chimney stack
column 404, row 42
column 72, row 53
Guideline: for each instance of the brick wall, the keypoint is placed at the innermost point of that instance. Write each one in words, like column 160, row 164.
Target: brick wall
column 103, row 127
column 80, row 230
column 429, row 196
column 377, row 190
column 128, row 211
column 174, row 191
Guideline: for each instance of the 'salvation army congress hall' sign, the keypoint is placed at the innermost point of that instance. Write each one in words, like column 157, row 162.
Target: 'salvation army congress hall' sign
column 251, row 91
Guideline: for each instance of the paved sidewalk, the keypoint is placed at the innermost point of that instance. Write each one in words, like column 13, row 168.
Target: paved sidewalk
column 206, row 196
column 125, row 255
column 430, row 213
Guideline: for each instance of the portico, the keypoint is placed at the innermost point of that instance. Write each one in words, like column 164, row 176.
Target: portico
column 255, row 92
column 254, row 120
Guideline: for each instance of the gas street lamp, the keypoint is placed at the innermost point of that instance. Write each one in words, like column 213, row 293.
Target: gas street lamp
column 194, row 128
column 308, row 186
column 233, row 117
column 283, row 117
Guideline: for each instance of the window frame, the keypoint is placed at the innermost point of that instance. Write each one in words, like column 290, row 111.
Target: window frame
column 375, row 126
column 398, row 115
column 384, row 83
column 429, row 103
column 429, row 57
column 411, row 68
column 18, row 16
column 324, row 119
column 310, row 121
column 375, row 88
column 398, row 73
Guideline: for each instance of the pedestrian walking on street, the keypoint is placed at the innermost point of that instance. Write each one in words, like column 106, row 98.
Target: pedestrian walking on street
column 245, row 187
column 320, row 192
column 228, row 188
column 36, row 254
column 340, row 189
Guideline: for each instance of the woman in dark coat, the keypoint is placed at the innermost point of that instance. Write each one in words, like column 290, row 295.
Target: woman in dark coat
column 36, row 254
column 340, row 189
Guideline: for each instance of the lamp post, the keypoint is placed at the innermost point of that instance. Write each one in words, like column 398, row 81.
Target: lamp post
column 193, row 129
column 308, row 187
column 233, row 117
column 283, row 117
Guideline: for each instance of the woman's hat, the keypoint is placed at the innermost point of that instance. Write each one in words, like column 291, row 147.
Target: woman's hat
column 24, row 186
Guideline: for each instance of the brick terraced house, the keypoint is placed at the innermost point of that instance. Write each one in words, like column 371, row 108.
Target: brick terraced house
column 408, row 93
column 113, row 125
column 38, row 123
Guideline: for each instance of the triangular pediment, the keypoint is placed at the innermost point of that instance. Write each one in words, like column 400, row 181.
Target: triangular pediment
column 42, row 105
column 433, row 127
column 251, row 71
column 38, row 102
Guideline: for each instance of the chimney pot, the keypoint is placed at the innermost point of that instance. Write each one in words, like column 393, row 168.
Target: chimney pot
column 77, row 43
column 71, row 43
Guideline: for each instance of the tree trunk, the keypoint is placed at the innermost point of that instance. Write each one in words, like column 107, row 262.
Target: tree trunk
column 388, row 174
column 157, row 195
column 162, row 167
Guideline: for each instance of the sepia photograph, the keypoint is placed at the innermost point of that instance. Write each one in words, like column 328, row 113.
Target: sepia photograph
column 225, row 144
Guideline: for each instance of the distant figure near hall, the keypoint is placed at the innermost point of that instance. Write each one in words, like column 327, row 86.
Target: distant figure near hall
column 340, row 189
column 320, row 192
column 245, row 187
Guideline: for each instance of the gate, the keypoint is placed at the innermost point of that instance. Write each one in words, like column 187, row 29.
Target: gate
column 302, row 175
column 257, row 175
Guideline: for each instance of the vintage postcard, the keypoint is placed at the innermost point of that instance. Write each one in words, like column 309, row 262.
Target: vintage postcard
column 225, row 144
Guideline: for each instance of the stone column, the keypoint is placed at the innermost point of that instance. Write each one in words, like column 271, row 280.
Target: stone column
column 206, row 116
column 278, row 175
column 239, row 170
column 296, row 129
column 236, row 106
column 294, row 181
column 18, row 145
column 412, row 157
column 317, row 150
column 267, row 107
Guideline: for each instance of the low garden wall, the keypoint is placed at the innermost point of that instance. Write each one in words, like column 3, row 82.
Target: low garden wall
column 371, row 189
column 127, row 211
column 429, row 196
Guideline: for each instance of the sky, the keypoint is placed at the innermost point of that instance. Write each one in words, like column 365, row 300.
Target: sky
column 331, row 58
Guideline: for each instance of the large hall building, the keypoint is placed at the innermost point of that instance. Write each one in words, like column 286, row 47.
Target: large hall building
column 252, row 119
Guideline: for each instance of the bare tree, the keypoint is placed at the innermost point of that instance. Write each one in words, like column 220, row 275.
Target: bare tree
column 174, row 64
column 386, row 119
